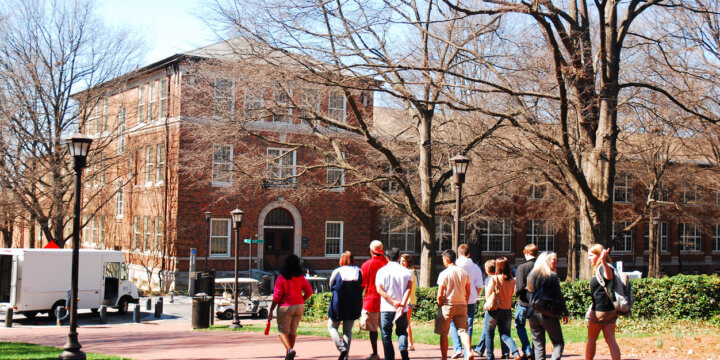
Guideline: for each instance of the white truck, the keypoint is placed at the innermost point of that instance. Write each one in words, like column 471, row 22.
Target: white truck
column 36, row 281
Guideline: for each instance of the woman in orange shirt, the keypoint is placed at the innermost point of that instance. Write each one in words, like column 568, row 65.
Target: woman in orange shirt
column 504, row 285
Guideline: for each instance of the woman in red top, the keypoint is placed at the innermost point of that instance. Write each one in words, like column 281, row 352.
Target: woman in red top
column 291, row 291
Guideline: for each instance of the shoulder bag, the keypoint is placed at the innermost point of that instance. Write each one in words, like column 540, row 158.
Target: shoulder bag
column 492, row 302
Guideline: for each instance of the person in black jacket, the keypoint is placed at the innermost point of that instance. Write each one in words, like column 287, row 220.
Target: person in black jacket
column 523, row 305
column 544, row 278
column 345, row 303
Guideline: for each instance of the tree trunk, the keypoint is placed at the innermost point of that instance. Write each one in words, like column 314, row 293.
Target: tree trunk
column 572, row 256
column 427, row 253
column 653, row 249
column 32, row 232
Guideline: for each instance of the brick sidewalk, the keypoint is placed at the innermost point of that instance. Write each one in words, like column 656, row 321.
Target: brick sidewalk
column 175, row 340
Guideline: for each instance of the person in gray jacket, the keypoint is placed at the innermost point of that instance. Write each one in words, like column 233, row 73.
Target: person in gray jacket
column 523, row 305
column 544, row 278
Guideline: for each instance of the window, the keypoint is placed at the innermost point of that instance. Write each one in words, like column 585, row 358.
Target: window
column 281, row 167
column 311, row 100
column 158, row 234
column 541, row 233
column 105, row 115
column 163, row 109
column 160, row 164
column 94, row 233
column 141, row 104
column 152, row 101
column 101, row 231
column 538, row 191
column 496, row 235
column 716, row 238
column 663, row 236
column 121, row 131
column 222, row 165
column 398, row 232
column 661, row 192
column 336, row 106
column 335, row 175
column 443, row 232
column 389, row 186
column 148, row 228
column 119, row 199
column 102, row 170
column 623, row 191
column 224, row 101
column 690, row 237
column 333, row 237
column 254, row 103
column 149, row 165
column 689, row 194
column 93, row 121
column 137, row 233
column 219, row 237
column 283, row 110
column 624, row 244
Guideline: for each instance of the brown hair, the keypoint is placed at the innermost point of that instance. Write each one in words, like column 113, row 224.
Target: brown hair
column 347, row 258
column 490, row 267
column 407, row 258
column 502, row 267
column 531, row 249
column 463, row 250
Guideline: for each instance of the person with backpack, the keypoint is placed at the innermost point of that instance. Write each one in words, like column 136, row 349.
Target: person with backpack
column 547, row 305
column 345, row 302
column 530, row 252
column 602, row 314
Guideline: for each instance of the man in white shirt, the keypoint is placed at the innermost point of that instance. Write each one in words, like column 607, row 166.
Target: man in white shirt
column 452, row 299
column 393, row 282
column 476, row 283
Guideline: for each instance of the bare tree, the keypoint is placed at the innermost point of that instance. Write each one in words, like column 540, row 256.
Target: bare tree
column 49, row 52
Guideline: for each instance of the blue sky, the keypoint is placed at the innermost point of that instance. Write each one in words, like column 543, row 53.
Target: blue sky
column 168, row 26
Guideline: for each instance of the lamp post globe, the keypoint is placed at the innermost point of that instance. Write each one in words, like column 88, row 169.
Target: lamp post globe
column 78, row 147
column 237, row 216
column 459, row 164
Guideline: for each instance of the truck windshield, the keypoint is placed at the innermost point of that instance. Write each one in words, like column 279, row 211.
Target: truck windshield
column 123, row 274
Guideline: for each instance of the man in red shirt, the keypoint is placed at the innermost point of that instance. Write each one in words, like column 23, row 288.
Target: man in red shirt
column 370, row 318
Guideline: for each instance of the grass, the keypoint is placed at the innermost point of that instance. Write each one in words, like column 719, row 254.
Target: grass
column 574, row 331
column 10, row 350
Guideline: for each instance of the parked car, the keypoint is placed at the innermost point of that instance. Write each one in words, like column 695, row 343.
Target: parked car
column 250, row 302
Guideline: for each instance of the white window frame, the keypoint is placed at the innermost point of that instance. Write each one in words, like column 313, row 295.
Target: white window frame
column 220, row 238
column 122, row 140
column 222, row 165
column 332, row 110
column 147, row 232
column 441, row 232
column 221, row 101
column 119, row 200
column 716, row 238
column 688, row 190
column 283, row 112
column 160, row 164
column 539, row 191
column 149, row 165
column 157, row 244
column 277, row 162
column 101, row 232
column 330, row 180
column 690, row 232
column 141, row 111
column 152, row 101
column 545, row 240
column 105, row 114
column 137, row 233
column 664, row 239
column 254, row 104
column 622, row 245
column 623, row 190
column 398, row 230
column 94, row 232
column 163, row 100
column 505, row 235
column 661, row 192
column 93, row 121
column 329, row 238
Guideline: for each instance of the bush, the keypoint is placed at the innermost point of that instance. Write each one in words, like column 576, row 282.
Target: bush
column 316, row 307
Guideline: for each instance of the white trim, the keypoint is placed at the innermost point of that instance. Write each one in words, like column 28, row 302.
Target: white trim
column 228, row 238
column 297, row 221
column 229, row 162
column 340, row 239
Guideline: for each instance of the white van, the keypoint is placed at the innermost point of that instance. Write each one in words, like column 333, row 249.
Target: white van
column 36, row 281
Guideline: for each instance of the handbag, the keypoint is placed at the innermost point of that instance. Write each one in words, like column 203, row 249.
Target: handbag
column 492, row 302
column 545, row 305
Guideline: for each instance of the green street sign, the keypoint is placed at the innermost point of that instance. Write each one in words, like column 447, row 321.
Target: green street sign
column 254, row 241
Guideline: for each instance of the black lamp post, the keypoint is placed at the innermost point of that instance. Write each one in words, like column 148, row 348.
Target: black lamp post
column 459, row 166
column 237, row 216
column 78, row 146
column 208, row 216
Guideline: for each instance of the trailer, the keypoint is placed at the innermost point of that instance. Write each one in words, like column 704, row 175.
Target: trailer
column 36, row 281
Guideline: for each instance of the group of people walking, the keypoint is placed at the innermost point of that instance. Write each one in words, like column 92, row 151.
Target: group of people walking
column 381, row 294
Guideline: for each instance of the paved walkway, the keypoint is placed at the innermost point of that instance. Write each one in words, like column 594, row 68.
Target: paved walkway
column 175, row 340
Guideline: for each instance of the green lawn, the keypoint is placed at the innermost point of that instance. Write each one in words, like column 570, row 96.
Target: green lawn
column 10, row 350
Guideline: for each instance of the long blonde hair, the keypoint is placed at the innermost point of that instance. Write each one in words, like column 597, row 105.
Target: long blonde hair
column 597, row 249
column 542, row 267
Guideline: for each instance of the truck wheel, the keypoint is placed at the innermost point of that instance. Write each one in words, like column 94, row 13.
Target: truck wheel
column 227, row 314
column 30, row 314
column 94, row 311
column 51, row 312
column 263, row 313
column 123, row 305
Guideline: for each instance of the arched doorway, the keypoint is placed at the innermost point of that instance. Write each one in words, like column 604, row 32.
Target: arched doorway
column 279, row 238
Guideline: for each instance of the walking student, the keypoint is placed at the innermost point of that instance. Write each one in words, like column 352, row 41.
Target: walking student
column 503, row 285
column 602, row 315
column 521, row 310
column 370, row 317
column 452, row 299
column 480, row 347
column 544, row 279
column 393, row 283
column 291, row 291
column 406, row 260
column 476, row 283
column 345, row 302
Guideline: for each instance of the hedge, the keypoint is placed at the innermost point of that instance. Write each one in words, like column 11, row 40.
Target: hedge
column 680, row 296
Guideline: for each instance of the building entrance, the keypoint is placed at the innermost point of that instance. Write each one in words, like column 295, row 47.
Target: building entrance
column 279, row 235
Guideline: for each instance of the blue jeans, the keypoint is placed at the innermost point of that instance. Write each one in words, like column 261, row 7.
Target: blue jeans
column 386, row 326
column 457, row 344
column 521, row 315
column 502, row 318
column 480, row 348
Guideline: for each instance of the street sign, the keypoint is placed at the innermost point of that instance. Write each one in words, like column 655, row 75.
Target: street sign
column 254, row 241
